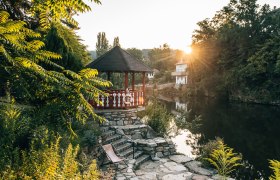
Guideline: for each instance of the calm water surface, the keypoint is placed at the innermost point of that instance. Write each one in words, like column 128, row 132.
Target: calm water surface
column 253, row 130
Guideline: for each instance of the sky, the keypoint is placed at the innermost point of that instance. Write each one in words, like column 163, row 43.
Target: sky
column 146, row 24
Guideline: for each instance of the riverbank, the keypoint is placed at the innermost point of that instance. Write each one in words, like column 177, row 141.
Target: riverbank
column 183, row 92
column 174, row 167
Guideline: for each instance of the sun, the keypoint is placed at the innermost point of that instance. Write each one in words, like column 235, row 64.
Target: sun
column 188, row 50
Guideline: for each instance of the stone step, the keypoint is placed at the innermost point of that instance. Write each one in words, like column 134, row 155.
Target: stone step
column 108, row 133
column 127, row 152
column 123, row 147
column 140, row 160
column 104, row 128
column 119, row 142
column 136, row 155
column 113, row 138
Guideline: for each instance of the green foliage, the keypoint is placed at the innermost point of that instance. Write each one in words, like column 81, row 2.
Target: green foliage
column 235, row 53
column 102, row 44
column 162, row 58
column 275, row 166
column 55, row 98
column 60, row 11
column 50, row 163
column 64, row 41
column 158, row 117
column 207, row 149
column 224, row 159
column 136, row 53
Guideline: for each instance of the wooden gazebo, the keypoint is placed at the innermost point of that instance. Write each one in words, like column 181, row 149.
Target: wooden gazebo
column 118, row 60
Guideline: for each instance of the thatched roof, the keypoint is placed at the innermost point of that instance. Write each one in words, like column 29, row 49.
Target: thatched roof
column 118, row 60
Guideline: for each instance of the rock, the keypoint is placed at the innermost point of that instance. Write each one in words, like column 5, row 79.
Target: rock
column 159, row 148
column 159, row 154
column 200, row 177
column 219, row 177
column 120, row 131
column 148, row 148
column 137, row 135
column 166, row 153
column 181, row 176
column 120, row 123
column 148, row 176
column 160, row 140
column 195, row 166
column 180, row 158
column 134, row 178
column 120, row 178
column 150, row 166
column 152, row 144
column 155, row 158
column 172, row 166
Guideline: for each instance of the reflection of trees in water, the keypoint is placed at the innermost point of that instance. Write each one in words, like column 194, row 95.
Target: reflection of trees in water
column 252, row 130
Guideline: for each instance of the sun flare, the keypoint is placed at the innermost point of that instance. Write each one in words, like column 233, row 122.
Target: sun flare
column 188, row 50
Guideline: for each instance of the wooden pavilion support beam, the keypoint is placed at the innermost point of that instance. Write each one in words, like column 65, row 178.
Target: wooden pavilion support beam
column 126, row 80
column 133, row 81
column 108, row 76
column 143, row 83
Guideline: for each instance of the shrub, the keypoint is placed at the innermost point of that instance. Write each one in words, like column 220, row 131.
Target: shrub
column 50, row 163
column 223, row 159
column 158, row 117
column 207, row 149
column 275, row 166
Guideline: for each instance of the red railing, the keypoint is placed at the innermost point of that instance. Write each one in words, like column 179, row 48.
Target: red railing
column 120, row 99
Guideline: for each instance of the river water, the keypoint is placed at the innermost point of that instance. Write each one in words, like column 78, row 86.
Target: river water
column 252, row 130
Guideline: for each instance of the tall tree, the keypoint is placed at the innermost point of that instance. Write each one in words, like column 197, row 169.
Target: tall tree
column 102, row 45
column 116, row 42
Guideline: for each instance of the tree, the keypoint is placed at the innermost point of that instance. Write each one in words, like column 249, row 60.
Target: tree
column 235, row 52
column 44, row 12
column 102, row 45
column 116, row 42
column 64, row 41
column 162, row 58
column 136, row 53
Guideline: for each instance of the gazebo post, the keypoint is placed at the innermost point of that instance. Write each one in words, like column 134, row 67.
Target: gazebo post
column 143, row 84
column 108, row 76
column 133, row 81
column 126, row 81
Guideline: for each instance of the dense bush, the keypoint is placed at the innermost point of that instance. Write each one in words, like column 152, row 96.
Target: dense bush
column 158, row 117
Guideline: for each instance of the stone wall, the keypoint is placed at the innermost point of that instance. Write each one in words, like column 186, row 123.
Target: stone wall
column 157, row 147
column 120, row 117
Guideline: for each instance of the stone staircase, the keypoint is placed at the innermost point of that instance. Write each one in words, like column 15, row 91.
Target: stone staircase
column 122, row 147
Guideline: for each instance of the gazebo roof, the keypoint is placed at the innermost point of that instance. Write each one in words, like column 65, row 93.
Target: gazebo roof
column 118, row 60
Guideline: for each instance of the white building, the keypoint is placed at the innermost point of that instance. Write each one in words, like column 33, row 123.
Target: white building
column 152, row 74
column 181, row 73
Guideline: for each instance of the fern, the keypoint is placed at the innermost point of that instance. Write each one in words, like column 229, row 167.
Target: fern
column 224, row 159
column 275, row 166
column 70, row 165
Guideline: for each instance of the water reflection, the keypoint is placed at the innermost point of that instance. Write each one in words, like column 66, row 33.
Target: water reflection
column 252, row 130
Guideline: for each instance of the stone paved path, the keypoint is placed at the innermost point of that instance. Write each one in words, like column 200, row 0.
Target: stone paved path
column 176, row 167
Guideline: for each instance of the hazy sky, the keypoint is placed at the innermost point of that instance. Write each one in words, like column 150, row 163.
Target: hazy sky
column 148, row 23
